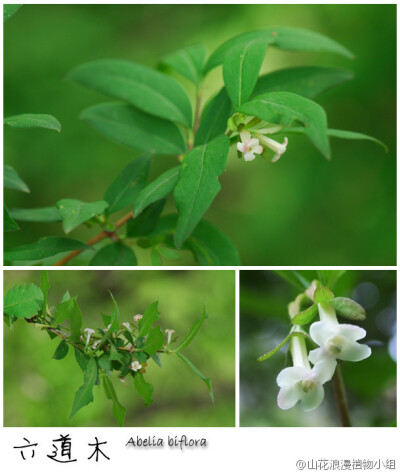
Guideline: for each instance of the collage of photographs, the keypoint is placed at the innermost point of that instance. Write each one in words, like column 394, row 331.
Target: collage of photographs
column 200, row 222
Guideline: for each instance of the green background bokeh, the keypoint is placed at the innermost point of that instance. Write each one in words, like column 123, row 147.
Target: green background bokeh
column 338, row 213
column 264, row 323
column 38, row 390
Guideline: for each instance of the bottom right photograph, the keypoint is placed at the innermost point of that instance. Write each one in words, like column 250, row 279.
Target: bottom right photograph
column 318, row 348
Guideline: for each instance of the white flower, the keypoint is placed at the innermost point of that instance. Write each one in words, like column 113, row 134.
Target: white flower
column 89, row 332
column 338, row 341
column 169, row 332
column 278, row 148
column 137, row 317
column 95, row 344
column 298, row 383
column 107, row 328
column 249, row 146
column 122, row 380
column 135, row 365
column 127, row 326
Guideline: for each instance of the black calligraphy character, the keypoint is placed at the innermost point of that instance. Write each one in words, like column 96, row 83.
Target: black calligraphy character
column 65, row 456
column 25, row 447
column 97, row 450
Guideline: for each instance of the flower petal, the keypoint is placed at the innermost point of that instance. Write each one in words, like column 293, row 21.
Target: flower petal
column 291, row 375
column 355, row 352
column 352, row 332
column 245, row 136
column 324, row 369
column 312, row 399
column 249, row 156
column 253, row 142
column 258, row 149
column 241, row 147
column 288, row 396
column 318, row 355
column 321, row 332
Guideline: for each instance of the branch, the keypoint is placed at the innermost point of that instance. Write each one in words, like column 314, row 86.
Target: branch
column 95, row 239
column 340, row 395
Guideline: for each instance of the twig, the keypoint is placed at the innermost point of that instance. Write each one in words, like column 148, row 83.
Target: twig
column 95, row 239
column 340, row 395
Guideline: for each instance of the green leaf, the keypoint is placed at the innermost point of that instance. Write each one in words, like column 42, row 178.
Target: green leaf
column 348, row 308
column 322, row 295
column 291, row 39
column 156, row 190
column 10, row 10
column 23, row 301
column 114, row 354
column 306, row 316
column 45, row 247
column 115, row 254
column 127, row 186
column 294, row 277
column 150, row 91
column 288, row 109
column 84, row 394
column 307, row 81
column 144, row 389
column 43, row 121
column 300, row 303
column 114, row 317
column 118, row 410
column 44, row 286
column 75, row 321
column 49, row 214
column 188, row 61
column 146, row 221
column 198, row 184
column 75, row 212
column 8, row 223
column 157, row 359
column 241, row 68
column 154, row 341
column 81, row 359
column 128, row 126
column 66, row 297
column 168, row 253
column 13, row 181
column 61, row 350
column 64, row 310
column 193, row 330
column 150, row 316
column 214, row 118
column 346, row 134
column 197, row 373
column 104, row 362
column 155, row 257
column 330, row 277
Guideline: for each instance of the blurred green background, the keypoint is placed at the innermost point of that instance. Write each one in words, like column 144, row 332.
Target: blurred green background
column 264, row 322
column 38, row 390
column 341, row 212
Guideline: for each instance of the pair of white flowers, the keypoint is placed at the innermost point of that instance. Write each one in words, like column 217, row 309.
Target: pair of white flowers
column 252, row 145
column 336, row 342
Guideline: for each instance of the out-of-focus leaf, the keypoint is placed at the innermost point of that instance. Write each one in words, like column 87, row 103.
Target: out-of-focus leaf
column 10, row 10
column 188, row 61
column 23, row 121
column 330, row 277
column 44, row 286
column 49, row 214
column 13, row 181
column 8, row 223
column 294, row 277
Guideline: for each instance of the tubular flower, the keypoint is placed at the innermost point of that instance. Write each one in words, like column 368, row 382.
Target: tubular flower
column 89, row 332
column 169, row 332
column 336, row 341
column 278, row 148
column 127, row 326
column 137, row 317
column 301, row 382
column 249, row 146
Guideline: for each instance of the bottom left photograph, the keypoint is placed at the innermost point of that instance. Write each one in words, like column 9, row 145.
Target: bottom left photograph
column 141, row 348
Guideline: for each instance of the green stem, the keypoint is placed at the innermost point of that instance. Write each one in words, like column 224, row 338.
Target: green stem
column 340, row 396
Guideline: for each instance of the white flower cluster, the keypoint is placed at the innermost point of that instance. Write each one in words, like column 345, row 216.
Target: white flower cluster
column 336, row 342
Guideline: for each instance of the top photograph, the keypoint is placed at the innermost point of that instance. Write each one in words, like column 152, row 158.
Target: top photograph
column 199, row 135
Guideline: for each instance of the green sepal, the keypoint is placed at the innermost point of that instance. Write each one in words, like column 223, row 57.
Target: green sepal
column 322, row 295
column 306, row 316
column 348, row 308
